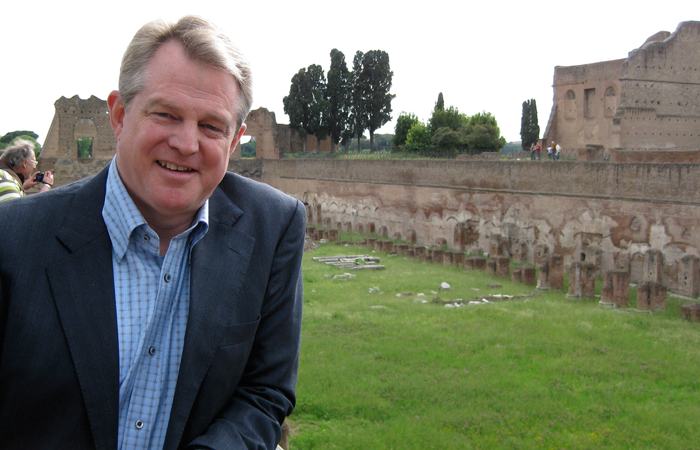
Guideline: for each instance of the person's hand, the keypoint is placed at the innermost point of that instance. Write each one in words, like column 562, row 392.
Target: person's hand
column 30, row 183
column 48, row 177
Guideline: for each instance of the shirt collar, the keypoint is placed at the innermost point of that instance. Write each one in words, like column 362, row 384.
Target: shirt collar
column 122, row 217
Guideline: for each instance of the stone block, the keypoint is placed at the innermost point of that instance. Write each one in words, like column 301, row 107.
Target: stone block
column 419, row 252
column 491, row 266
column 370, row 242
column 541, row 254
column 468, row 264
column 503, row 266
column 621, row 288
column 333, row 235
column 447, row 258
column 458, row 259
column 436, row 255
column 651, row 296
column 401, row 249
column 410, row 253
column 388, row 246
column 377, row 245
column 543, row 279
column 529, row 275
column 311, row 231
column 653, row 265
column 606, row 292
column 691, row 312
column 479, row 263
column 556, row 272
column 517, row 275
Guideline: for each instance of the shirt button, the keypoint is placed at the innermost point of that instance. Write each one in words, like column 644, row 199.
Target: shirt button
column 167, row 277
column 138, row 424
column 146, row 238
column 151, row 350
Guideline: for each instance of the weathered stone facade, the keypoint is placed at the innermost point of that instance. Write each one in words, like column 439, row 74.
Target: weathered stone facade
column 647, row 101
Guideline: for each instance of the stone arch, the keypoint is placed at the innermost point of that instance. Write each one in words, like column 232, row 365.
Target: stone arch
column 570, row 105
column 85, row 137
column 359, row 228
column 348, row 227
column 383, row 231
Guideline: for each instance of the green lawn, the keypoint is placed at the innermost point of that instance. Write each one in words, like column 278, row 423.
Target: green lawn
column 538, row 371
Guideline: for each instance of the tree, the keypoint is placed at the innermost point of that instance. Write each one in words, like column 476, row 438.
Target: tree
column 306, row 104
column 12, row 136
column 529, row 126
column 357, row 123
column 450, row 118
column 483, row 133
column 418, row 137
column 338, row 95
column 375, row 77
column 403, row 125
column 440, row 104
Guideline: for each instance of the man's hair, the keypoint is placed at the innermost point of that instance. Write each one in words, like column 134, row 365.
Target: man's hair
column 202, row 41
column 18, row 152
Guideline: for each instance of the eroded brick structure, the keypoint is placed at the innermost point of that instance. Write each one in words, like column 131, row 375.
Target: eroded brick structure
column 647, row 101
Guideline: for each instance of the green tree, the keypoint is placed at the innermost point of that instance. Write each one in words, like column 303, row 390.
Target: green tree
column 450, row 118
column 440, row 104
column 338, row 90
column 483, row 133
column 418, row 138
column 375, row 78
column 12, row 136
column 403, row 124
column 357, row 123
column 306, row 104
column 529, row 126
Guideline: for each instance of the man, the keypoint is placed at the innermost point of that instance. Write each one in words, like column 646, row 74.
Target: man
column 161, row 306
column 16, row 166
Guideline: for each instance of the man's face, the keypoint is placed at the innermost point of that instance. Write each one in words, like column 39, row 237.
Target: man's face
column 176, row 137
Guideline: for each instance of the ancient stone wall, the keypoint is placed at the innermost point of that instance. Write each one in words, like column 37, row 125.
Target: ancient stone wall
column 599, row 212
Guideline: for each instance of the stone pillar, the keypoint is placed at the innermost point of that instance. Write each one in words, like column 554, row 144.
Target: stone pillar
column 529, row 275
column 447, row 258
column 377, row 245
column 606, row 292
column 520, row 251
column 458, row 259
column 588, row 276
column 419, row 252
column 653, row 265
column 575, row 279
column 651, row 296
column 541, row 254
column 517, row 275
column 410, row 253
column 370, row 242
column 503, row 266
column 689, row 276
column 387, row 246
column 637, row 268
column 437, row 255
column 556, row 272
column 311, row 231
column 469, row 264
column 543, row 280
column 491, row 266
column 401, row 249
column 332, row 235
column 621, row 288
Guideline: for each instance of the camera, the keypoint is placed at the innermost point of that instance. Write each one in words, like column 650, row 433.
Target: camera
column 39, row 177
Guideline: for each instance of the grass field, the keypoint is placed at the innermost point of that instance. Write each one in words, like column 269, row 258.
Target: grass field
column 381, row 371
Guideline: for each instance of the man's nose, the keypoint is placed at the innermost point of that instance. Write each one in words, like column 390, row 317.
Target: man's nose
column 186, row 138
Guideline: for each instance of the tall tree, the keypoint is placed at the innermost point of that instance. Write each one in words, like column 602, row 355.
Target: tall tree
column 440, row 104
column 529, row 126
column 306, row 104
column 338, row 91
column 376, row 76
column 483, row 133
column 357, row 122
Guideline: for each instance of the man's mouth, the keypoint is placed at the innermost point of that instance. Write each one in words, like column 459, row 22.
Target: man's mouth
column 171, row 166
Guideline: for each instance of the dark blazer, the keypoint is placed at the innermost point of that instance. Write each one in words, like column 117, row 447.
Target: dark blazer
column 59, row 369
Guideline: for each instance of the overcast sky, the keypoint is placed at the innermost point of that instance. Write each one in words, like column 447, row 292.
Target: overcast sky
column 490, row 57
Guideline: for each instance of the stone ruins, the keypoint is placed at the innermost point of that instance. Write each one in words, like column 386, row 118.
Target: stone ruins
column 626, row 108
column 634, row 219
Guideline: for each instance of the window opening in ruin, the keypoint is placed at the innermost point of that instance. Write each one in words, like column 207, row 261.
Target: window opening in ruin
column 588, row 108
column 570, row 108
column 84, row 147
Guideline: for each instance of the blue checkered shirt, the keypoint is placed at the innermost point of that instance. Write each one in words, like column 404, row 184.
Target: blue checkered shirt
column 152, row 294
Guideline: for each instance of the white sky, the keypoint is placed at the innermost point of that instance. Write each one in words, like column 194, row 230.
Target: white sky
column 488, row 57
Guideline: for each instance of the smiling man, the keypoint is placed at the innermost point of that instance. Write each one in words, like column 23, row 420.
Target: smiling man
column 164, row 308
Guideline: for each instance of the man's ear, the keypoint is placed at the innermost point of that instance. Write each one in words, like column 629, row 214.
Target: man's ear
column 237, row 139
column 117, row 110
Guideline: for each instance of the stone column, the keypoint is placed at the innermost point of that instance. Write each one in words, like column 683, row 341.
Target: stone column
column 517, row 276
column 653, row 265
column 437, row 255
column 401, row 249
column 491, row 266
column 621, row 288
column 543, row 281
column 575, row 279
column 458, row 259
column 529, row 275
column 370, row 242
column 588, row 276
column 689, row 276
column 419, row 252
column 495, row 245
column 332, row 235
column 606, row 292
column 556, row 272
column 377, row 245
column 479, row 263
column 388, row 246
column 651, row 296
column 447, row 258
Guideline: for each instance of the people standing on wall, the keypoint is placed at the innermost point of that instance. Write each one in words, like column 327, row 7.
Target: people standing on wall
column 538, row 149
column 557, row 155
column 532, row 151
column 16, row 166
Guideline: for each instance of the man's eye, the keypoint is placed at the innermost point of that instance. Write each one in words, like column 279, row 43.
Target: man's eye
column 212, row 128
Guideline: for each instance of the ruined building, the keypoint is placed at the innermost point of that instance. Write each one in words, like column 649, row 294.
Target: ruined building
column 647, row 101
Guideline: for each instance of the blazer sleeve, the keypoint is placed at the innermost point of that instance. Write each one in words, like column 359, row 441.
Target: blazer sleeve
column 265, row 394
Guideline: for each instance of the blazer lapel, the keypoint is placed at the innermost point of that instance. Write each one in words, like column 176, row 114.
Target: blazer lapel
column 83, row 286
column 219, row 263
